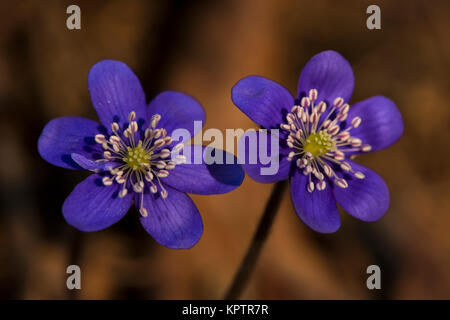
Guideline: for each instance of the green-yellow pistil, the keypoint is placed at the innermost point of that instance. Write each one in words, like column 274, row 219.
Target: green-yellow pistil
column 319, row 143
column 137, row 157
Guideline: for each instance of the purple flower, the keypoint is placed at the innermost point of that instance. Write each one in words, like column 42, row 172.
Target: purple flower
column 131, row 155
column 319, row 135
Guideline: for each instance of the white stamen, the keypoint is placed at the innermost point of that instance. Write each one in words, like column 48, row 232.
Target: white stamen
column 310, row 187
column 143, row 212
column 313, row 94
column 131, row 116
column 359, row 175
column 338, row 102
column 155, row 120
column 321, row 185
column 99, row 138
column 341, row 183
column 123, row 193
column 366, row 148
column 356, row 122
column 107, row 181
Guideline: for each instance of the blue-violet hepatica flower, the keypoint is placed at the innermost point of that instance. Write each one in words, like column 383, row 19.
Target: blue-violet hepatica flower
column 132, row 155
column 319, row 134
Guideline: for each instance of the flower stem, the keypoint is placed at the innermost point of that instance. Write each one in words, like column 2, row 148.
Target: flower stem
column 242, row 276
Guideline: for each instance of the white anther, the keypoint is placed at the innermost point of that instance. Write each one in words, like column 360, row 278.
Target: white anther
column 308, row 169
column 170, row 165
column 344, row 109
column 366, row 148
column 343, row 136
column 290, row 156
column 164, row 153
column 147, row 133
column 148, row 176
column 115, row 127
column 290, row 118
column 120, row 179
column 168, row 140
column 285, row 126
column 342, row 117
column 107, row 181
column 321, row 185
column 162, row 173
column 300, row 112
column 157, row 133
column 327, row 169
column 346, row 166
column 310, row 187
column 301, row 163
column 155, row 120
column 339, row 155
column 99, row 138
column 143, row 212
column 322, row 107
column 127, row 133
column 138, row 187
column 132, row 116
column 338, row 102
column 114, row 139
column 313, row 117
column 341, row 183
column 333, row 130
column 308, row 155
column 164, row 193
column 359, row 175
column 295, row 109
column 305, row 117
column 355, row 142
column 299, row 134
column 326, row 124
column 123, row 193
column 318, row 175
column 116, row 147
column 153, row 189
column 305, row 102
column 107, row 155
column 159, row 143
column 356, row 122
column 160, row 165
column 290, row 144
column 313, row 94
column 133, row 127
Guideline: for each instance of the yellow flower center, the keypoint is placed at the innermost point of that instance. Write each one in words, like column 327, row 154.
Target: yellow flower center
column 319, row 143
column 137, row 158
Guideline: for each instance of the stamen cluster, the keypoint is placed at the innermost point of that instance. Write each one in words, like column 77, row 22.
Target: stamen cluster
column 319, row 145
column 139, row 158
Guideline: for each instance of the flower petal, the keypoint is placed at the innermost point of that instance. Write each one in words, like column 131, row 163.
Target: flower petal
column 262, row 100
column 256, row 157
column 329, row 73
column 366, row 199
column 177, row 110
column 63, row 136
column 206, row 177
column 318, row 209
column 381, row 124
column 115, row 92
column 92, row 206
column 173, row 222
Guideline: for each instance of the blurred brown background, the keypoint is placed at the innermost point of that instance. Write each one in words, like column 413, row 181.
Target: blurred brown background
column 203, row 48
